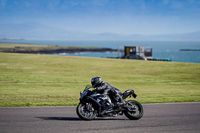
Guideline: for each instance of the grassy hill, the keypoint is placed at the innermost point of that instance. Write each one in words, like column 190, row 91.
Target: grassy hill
column 48, row 49
column 46, row 80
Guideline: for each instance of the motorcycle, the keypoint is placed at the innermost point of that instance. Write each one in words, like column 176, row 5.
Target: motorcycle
column 94, row 105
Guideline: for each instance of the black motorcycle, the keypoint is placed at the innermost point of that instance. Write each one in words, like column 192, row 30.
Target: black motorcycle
column 93, row 105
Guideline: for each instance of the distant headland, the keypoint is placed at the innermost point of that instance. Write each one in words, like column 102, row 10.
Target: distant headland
column 5, row 38
column 189, row 49
column 48, row 49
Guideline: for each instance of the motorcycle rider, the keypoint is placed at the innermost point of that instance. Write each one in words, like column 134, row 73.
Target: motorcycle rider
column 103, row 87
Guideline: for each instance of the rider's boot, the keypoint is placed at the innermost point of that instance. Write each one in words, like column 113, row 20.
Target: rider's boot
column 122, row 103
column 120, row 100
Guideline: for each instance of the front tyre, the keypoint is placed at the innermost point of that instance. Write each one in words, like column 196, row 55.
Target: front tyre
column 136, row 110
column 86, row 111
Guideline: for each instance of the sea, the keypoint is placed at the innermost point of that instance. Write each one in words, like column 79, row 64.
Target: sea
column 161, row 49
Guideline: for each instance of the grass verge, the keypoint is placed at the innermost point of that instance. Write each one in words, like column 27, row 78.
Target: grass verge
column 46, row 80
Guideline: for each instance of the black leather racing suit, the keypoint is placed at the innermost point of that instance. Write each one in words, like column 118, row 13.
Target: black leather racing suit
column 105, row 88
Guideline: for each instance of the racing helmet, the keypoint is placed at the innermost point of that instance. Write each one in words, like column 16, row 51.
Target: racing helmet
column 96, row 81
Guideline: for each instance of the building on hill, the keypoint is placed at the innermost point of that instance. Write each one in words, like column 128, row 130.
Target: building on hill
column 137, row 52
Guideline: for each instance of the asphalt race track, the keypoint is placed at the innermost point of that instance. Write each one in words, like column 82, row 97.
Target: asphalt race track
column 158, row 118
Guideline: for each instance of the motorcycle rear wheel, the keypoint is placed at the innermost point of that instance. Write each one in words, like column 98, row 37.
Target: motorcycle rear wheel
column 84, row 113
column 137, row 111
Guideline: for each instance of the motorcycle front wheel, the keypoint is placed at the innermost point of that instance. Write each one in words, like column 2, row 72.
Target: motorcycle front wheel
column 86, row 112
column 136, row 111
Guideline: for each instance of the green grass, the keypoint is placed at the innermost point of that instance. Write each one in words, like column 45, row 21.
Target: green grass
column 46, row 80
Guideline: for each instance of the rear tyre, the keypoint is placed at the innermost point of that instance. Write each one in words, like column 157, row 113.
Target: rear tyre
column 136, row 112
column 85, row 113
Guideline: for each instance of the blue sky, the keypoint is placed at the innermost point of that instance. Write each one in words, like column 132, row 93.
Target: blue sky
column 146, row 17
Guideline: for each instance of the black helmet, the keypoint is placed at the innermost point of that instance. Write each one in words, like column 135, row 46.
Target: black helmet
column 96, row 81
